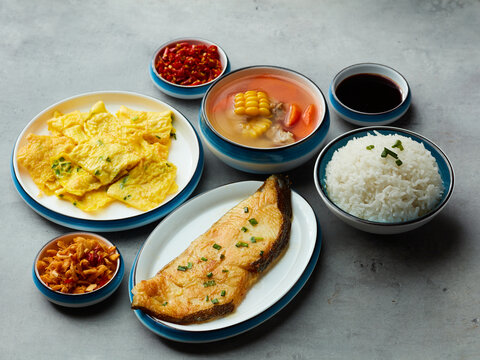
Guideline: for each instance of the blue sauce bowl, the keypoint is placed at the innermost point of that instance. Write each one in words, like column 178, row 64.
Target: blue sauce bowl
column 78, row 300
column 265, row 160
column 445, row 170
column 184, row 91
column 364, row 118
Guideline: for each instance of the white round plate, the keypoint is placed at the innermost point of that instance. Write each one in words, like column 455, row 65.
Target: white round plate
column 169, row 239
column 186, row 152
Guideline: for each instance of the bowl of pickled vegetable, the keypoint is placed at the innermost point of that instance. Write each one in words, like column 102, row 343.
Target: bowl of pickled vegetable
column 78, row 269
column 264, row 119
column 185, row 68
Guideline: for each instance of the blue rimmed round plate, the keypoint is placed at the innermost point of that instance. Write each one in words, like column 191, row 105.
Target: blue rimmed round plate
column 186, row 152
column 275, row 289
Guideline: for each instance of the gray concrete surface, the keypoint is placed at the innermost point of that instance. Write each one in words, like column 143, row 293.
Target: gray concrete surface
column 412, row 296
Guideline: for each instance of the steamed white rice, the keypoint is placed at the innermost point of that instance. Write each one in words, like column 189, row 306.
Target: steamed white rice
column 371, row 187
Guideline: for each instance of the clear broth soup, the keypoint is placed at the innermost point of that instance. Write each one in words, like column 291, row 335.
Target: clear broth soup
column 263, row 110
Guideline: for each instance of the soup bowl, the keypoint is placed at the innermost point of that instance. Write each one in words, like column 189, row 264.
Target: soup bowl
column 185, row 91
column 364, row 118
column 242, row 152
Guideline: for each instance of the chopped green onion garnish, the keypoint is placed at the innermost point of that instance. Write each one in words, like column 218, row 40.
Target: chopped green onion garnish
column 75, row 203
column 214, row 301
column 245, row 209
column 399, row 162
column 370, row 147
column 122, row 183
column 78, row 169
column 189, row 265
column 97, row 172
column 224, row 270
column 108, row 159
column 99, row 142
column 174, row 135
column 127, row 197
column 61, row 195
column 222, row 257
column 261, row 253
column 181, row 268
column 61, row 159
column 216, row 246
column 253, row 221
column 244, row 229
column 135, row 118
column 165, row 303
column 209, row 274
column 206, row 298
column 223, row 293
column 398, row 144
column 241, row 244
column 386, row 152
column 203, row 258
column 253, row 240
column 209, row 283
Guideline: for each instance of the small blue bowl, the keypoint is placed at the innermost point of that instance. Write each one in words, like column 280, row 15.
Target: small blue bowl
column 444, row 167
column 369, row 119
column 184, row 91
column 265, row 160
column 78, row 300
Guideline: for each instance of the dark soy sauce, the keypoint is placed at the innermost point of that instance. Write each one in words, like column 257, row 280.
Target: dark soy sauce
column 369, row 93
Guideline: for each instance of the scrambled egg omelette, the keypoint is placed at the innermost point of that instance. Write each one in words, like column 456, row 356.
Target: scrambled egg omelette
column 94, row 158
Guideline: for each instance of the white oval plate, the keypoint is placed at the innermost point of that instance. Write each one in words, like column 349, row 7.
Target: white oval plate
column 185, row 152
column 180, row 228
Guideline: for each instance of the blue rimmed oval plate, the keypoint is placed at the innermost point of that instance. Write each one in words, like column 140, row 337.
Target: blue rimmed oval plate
column 186, row 152
column 275, row 289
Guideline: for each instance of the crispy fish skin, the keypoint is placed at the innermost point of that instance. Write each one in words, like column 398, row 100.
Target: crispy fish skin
column 212, row 276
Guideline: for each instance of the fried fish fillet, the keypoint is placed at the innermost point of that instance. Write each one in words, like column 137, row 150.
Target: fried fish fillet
column 212, row 276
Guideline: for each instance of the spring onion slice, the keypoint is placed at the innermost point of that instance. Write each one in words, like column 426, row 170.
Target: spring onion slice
column 386, row 152
column 209, row 283
column 370, row 147
column 398, row 145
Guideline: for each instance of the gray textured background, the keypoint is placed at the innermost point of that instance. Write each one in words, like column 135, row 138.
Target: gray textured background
column 412, row 296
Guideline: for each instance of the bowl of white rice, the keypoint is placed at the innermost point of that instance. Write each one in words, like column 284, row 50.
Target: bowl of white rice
column 384, row 180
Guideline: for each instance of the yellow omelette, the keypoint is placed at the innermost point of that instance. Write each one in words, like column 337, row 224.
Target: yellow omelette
column 94, row 158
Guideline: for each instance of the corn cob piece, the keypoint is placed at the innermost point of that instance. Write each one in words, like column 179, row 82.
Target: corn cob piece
column 252, row 103
column 256, row 127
